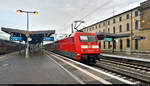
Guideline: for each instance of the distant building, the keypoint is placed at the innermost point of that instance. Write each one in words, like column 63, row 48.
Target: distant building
column 130, row 21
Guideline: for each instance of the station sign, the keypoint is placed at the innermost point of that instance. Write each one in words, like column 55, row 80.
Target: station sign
column 15, row 38
column 138, row 38
column 108, row 39
column 48, row 39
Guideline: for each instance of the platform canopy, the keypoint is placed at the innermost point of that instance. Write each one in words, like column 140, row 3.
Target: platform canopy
column 102, row 35
column 36, row 36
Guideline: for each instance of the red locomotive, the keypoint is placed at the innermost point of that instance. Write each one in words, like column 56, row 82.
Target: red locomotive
column 79, row 46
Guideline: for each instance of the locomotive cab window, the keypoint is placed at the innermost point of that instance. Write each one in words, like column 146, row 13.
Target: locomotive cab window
column 88, row 39
column 84, row 38
column 92, row 38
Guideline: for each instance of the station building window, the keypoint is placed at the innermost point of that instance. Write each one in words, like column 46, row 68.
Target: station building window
column 136, row 24
column 104, row 30
column 108, row 30
column 96, row 27
column 99, row 25
column 114, row 30
column 128, row 16
column 128, row 26
column 114, row 45
column 120, row 18
column 108, row 22
column 103, row 23
column 128, row 43
column 120, row 28
column 136, row 13
column 121, row 45
column 136, row 44
column 114, row 21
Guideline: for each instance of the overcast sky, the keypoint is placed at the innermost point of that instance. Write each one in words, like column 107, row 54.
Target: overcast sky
column 59, row 14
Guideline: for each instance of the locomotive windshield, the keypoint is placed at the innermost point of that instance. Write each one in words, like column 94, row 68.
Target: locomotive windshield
column 88, row 38
column 92, row 38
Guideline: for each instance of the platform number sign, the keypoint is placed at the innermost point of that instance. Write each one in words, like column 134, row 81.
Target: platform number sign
column 138, row 38
column 15, row 38
column 108, row 39
column 48, row 38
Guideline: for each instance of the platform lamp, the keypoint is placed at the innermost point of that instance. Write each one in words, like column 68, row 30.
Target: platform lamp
column 27, row 33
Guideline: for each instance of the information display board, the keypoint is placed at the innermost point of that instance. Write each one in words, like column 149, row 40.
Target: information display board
column 15, row 38
column 48, row 39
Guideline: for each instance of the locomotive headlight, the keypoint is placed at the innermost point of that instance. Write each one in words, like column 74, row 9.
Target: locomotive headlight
column 78, row 54
column 84, row 46
column 95, row 46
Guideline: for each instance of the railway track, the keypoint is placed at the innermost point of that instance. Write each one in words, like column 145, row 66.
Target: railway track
column 131, row 72
column 93, row 70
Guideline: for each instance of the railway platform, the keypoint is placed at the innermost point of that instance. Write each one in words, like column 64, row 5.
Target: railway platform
column 37, row 69
column 49, row 68
column 133, row 56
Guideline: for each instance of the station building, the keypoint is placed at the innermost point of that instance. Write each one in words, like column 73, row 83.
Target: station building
column 135, row 21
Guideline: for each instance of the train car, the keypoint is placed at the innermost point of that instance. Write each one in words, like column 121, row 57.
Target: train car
column 8, row 46
column 79, row 46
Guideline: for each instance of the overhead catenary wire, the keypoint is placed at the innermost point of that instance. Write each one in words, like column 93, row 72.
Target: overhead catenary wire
column 95, row 10
column 76, row 15
column 106, row 17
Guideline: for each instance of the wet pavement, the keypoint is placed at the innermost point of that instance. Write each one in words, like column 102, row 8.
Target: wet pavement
column 37, row 69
